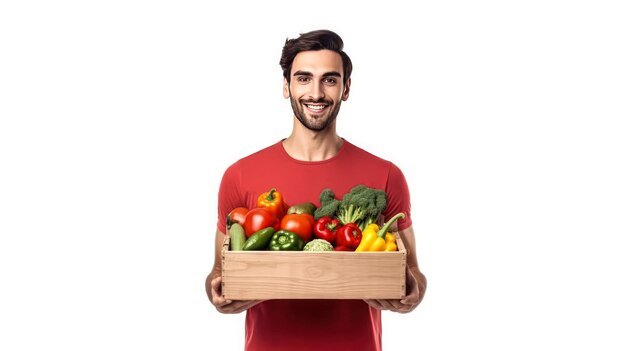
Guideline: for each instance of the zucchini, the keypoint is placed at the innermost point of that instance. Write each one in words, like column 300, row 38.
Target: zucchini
column 237, row 237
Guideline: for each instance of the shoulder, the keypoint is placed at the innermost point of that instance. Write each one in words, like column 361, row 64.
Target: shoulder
column 254, row 159
column 375, row 165
column 269, row 151
column 353, row 151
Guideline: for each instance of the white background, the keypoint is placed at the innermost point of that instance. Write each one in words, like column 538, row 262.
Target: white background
column 119, row 117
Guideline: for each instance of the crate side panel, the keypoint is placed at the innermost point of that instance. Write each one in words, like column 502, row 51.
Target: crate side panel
column 330, row 275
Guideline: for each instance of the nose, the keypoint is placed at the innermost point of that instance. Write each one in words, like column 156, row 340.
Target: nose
column 317, row 91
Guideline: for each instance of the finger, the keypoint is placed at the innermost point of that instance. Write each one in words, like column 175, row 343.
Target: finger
column 216, row 284
column 216, row 292
column 380, row 304
column 406, row 308
column 238, row 306
column 220, row 301
column 395, row 306
column 244, row 304
column 387, row 304
column 398, row 305
column 374, row 303
column 411, row 298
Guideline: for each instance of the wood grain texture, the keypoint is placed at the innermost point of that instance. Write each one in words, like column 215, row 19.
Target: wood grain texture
column 251, row 275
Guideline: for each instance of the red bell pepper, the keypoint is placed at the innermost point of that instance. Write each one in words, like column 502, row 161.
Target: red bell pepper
column 342, row 248
column 237, row 215
column 326, row 228
column 349, row 235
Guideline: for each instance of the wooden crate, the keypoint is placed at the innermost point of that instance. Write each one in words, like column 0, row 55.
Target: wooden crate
column 261, row 275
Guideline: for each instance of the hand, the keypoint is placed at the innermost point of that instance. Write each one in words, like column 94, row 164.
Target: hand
column 227, row 306
column 416, row 287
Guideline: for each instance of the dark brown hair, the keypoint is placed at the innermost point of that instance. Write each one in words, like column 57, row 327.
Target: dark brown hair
column 313, row 41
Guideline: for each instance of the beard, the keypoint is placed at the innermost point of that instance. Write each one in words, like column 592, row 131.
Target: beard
column 316, row 124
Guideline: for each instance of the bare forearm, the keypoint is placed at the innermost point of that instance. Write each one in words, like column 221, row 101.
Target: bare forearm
column 207, row 284
column 408, row 236
column 421, row 283
column 217, row 263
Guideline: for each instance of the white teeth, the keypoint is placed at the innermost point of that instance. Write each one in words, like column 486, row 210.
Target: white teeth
column 316, row 107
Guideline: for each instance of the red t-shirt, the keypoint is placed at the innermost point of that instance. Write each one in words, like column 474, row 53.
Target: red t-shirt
column 312, row 324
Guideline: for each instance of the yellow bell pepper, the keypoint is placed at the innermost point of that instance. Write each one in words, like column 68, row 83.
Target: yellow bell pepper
column 374, row 238
column 390, row 242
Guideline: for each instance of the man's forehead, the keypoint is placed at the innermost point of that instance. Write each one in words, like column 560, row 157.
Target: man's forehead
column 317, row 62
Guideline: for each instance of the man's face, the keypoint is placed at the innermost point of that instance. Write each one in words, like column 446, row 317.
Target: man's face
column 316, row 88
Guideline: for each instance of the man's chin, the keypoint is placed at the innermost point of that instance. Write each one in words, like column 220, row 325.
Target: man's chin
column 313, row 126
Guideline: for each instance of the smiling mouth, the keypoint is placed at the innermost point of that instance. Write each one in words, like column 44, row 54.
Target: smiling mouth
column 316, row 107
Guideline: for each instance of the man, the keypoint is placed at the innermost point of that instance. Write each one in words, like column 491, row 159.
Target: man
column 316, row 80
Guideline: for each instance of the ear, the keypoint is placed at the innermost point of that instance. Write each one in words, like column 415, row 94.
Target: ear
column 285, row 88
column 346, row 90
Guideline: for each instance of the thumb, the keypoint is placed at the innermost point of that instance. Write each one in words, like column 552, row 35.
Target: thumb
column 412, row 292
column 216, row 284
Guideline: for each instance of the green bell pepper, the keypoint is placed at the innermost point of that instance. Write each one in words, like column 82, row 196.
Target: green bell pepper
column 284, row 240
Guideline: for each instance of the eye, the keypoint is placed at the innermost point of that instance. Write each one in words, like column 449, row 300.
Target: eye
column 330, row 81
column 303, row 79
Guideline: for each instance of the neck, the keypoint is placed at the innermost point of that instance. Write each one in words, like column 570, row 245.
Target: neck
column 307, row 145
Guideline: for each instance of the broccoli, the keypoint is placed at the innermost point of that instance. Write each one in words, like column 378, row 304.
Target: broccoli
column 329, row 204
column 362, row 205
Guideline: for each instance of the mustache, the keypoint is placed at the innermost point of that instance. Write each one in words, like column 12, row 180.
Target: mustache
column 327, row 102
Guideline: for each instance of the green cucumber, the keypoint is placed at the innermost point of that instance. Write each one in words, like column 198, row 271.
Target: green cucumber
column 237, row 237
column 259, row 240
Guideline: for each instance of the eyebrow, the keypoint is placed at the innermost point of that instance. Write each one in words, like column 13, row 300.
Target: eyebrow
column 309, row 74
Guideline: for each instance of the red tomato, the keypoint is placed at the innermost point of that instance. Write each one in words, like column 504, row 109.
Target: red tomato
column 310, row 218
column 238, row 215
column 257, row 219
column 300, row 224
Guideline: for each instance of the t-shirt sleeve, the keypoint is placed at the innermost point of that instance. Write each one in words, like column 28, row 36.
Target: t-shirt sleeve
column 229, row 195
column 398, row 197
